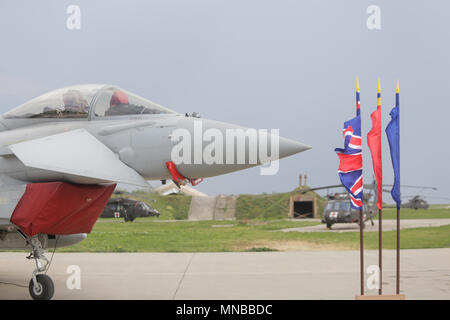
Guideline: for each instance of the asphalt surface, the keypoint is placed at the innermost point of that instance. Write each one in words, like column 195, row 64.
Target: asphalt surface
column 425, row 274
column 388, row 225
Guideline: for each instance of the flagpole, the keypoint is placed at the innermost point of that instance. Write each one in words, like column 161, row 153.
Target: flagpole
column 361, row 249
column 361, row 222
column 380, row 219
column 380, row 249
column 398, row 251
column 397, row 93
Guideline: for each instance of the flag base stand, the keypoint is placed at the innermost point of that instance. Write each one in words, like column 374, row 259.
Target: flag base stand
column 381, row 297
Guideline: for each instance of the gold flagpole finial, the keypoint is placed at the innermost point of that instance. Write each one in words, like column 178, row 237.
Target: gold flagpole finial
column 379, row 93
column 357, row 84
column 397, row 90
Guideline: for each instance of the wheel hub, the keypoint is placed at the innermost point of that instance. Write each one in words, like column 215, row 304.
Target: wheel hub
column 37, row 289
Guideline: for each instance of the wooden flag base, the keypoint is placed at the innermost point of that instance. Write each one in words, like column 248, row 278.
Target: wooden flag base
column 381, row 297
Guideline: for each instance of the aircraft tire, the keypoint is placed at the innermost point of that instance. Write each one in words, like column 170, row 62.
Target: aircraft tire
column 46, row 288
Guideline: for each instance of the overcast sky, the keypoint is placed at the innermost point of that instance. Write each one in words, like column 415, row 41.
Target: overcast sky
column 289, row 65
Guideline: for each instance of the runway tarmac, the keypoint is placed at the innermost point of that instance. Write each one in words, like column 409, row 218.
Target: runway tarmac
column 425, row 274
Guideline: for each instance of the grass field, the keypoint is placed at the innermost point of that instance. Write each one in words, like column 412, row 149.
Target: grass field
column 434, row 212
column 259, row 219
column 149, row 235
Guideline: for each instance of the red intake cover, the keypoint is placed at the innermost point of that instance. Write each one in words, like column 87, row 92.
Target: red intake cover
column 60, row 208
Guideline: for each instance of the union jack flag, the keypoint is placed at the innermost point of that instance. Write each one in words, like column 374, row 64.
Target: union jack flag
column 350, row 158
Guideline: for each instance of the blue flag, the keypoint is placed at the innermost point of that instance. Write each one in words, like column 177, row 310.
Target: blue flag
column 393, row 135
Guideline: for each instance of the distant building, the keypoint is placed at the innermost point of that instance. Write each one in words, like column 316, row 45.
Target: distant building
column 220, row 207
column 303, row 206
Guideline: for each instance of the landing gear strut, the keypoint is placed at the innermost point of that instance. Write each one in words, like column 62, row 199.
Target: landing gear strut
column 41, row 285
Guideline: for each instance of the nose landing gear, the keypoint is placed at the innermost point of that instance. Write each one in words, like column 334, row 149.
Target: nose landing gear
column 41, row 286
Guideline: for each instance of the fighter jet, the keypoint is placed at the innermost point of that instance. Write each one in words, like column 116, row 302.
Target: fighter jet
column 62, row 153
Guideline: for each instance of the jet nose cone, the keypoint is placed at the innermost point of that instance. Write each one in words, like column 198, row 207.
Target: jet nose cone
column 215, row 148
column 288, row 147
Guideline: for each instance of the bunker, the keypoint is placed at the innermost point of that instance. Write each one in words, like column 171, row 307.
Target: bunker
column 303, row 206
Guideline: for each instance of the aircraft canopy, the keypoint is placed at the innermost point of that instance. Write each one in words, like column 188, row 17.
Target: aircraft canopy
column 79, row 101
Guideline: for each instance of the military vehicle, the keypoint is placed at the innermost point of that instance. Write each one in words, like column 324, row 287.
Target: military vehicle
column 128, row 209
column 416, row 202
column 338, row 210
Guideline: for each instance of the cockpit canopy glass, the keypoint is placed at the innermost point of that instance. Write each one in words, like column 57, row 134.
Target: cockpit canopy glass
column 338, row 205
column 69, row 102
column 344, row 205
column 118, row 102
column 330, row 205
